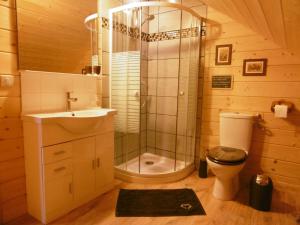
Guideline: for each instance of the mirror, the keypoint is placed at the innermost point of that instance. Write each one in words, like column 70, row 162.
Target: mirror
column 52, row 35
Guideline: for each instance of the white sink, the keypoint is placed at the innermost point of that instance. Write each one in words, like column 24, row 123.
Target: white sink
column 81, row 121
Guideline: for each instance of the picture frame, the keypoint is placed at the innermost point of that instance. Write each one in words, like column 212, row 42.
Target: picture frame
column 255, row 67
column 223, row 54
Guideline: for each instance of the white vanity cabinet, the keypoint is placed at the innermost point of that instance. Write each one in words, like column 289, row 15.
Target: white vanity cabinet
column 66, row 168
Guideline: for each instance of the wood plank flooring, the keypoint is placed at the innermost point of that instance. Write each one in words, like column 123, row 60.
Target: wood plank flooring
column 102, row 210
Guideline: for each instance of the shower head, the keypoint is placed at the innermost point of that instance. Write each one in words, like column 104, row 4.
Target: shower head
column 149, row 18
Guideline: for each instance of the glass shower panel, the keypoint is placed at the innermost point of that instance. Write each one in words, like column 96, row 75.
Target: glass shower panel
column 151, row 25
column 125, row 88
column 188, row 86
column 193, row 89
column 163, row 65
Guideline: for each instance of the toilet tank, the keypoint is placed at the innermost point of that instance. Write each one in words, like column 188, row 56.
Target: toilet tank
column 236, row 130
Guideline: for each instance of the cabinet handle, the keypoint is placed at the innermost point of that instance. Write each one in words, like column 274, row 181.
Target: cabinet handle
column 59, row 169
column 98, row 162
column 70, row 188
column 59, row 152
column 94, row 164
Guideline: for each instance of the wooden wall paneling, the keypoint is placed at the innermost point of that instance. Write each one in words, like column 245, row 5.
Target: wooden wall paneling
column 256, row 88
column 10, row 107
column 258, row 15
column 291, row 123
column 254, row 103
column 11, row 149
column 273, row 13
column 12, row 189
column 12, row 173
column 275, row 151
column 227, row 30
column 8, row 63
column 270, row 165
column 8, row 40
column 276, row 136
column 63, row 9
column 12, row 169
column 58, row 41
column 273, row 19
column 243, row 43
column 10, row 128
column 8, row 3
column 215, row 15
column 8, row 18
column 245, row 13
column 13, row 91
column 271, row 136
column 291, row 22
column 14, row 208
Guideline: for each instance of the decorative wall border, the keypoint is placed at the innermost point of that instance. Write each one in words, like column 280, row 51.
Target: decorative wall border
column 160, row 36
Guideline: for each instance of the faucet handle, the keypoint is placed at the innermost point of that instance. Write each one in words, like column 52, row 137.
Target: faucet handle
column 69, row 95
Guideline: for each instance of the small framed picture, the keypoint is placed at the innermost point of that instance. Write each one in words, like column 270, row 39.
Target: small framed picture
column 255, row 67
column 223, row 54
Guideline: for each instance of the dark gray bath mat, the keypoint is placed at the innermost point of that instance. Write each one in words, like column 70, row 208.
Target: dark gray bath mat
column 158, row 202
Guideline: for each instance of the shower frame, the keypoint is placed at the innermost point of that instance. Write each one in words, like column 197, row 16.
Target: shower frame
column 164, row 177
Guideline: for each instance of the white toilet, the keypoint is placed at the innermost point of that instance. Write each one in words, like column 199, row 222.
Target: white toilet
column 228, row 159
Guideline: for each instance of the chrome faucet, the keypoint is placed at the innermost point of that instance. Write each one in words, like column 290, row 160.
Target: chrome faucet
column 69, row 100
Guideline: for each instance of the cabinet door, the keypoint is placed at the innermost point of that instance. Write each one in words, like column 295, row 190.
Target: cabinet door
column 83, row 169
column 104, row 159
column 58, row 197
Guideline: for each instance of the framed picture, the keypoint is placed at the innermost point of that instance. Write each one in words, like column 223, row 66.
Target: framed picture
column 255, row 67
column 223, row 54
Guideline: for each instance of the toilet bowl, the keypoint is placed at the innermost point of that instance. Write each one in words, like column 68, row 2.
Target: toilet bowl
column 227, row 180
column 227, row 160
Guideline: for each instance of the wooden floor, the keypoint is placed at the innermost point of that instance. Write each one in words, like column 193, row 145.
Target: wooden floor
column 102, row 210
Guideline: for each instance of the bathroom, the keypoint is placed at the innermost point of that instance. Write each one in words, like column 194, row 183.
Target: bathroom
column 181, row 86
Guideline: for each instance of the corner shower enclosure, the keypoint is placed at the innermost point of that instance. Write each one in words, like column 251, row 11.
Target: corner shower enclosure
column 154, row 70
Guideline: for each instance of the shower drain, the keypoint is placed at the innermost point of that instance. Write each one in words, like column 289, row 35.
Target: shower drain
column 149, row 162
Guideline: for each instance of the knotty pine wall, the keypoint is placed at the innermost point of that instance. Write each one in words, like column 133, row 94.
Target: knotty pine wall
column 12, row 174
column 276, row 142
column 275, row 149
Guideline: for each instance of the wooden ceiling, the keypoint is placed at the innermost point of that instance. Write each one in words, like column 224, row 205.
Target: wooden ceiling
column 277, row 20
column 52, row 36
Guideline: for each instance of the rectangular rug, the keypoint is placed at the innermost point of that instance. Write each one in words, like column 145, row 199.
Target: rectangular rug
column 158, row 202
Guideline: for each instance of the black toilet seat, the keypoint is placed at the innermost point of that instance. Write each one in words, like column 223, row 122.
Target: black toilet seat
column 227, row 156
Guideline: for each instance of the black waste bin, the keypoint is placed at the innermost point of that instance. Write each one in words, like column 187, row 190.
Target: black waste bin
column 261, row 188
column 203, row 168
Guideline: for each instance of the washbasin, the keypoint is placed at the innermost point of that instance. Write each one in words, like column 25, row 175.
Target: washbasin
column 80, row 121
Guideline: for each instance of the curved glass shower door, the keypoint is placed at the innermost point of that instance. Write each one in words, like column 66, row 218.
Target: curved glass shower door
column 154, row 64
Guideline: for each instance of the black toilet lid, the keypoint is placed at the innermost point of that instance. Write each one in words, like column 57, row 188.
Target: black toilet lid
column 226, row 155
